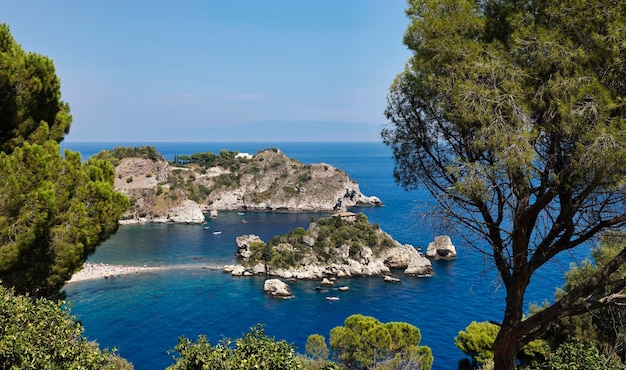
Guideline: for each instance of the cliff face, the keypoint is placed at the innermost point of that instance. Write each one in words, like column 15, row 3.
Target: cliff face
column 142, row 180
column 268, row 180
column 272, row 181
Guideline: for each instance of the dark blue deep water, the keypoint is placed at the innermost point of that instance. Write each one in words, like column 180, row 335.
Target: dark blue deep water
column 144, row 314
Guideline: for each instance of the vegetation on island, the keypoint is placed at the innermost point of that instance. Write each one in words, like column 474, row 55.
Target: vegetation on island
column 116, row 154
column 200, row 163
column 323, row 243
column 266, row 163
column 225, row 159
column 512, row 115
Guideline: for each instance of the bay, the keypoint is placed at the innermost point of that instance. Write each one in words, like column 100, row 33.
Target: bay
column 144, row 314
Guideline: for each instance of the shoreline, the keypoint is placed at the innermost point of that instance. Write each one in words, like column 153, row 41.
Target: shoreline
column 92, row 271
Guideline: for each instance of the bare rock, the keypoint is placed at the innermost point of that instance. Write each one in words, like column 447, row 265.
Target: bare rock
column 277, row 288
column 441, row 247
column 419, row 267
column 391, row 279
column 187, row 212
column 140, row 173
column 408, row 258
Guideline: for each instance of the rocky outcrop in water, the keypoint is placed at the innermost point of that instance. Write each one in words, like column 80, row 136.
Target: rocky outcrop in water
column 330, row 247
column 277, row 288
column 442, row 248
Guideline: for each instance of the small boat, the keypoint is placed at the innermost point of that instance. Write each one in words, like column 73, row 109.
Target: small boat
column 216, row 232
column 332, row 298
column 244, row 221
column 241, row 213
column 207, row 227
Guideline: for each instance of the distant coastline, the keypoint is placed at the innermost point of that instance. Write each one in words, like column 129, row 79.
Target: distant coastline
column 299, row 150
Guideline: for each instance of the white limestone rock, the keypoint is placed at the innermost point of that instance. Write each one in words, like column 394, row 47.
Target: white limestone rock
column 243, row 245
column 235, row 270
column 441, row 247
column 408, row 258
column 391, row 279
column 188, row 212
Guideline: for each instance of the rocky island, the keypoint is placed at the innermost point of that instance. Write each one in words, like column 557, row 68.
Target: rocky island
column 344, row 245
column 183, row 191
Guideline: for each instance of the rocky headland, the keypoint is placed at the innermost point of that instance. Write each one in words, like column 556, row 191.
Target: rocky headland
column 345, row 245
column 206, row 183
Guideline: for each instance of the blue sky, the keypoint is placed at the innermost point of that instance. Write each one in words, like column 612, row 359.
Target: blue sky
column 228, row 70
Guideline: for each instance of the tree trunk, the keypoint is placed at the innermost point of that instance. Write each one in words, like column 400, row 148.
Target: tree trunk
column 505, row 351
column 506, row 345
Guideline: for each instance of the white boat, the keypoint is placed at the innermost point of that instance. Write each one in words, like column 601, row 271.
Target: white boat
column 216, row 232
column 332, row 298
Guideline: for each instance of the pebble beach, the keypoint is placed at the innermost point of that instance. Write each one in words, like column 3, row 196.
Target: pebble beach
column 92, row 271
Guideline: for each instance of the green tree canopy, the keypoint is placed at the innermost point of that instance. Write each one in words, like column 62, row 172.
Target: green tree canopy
column 604, row 328
column 578, row 355
column 41, row 334
column 511, row 114
column 316, row 347
column 31, row 109
column 477, row 340
column 366, row 343
column 54, row 211
column 255, row 350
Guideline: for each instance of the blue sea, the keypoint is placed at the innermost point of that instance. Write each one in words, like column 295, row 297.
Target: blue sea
column 144, row 314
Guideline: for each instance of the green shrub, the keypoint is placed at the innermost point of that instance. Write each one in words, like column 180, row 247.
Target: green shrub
column 304, row 178
column 579, row 356
column 41, row 334
column 366, row 343
column 316, row 347
column 290, row 190
column 254, row 351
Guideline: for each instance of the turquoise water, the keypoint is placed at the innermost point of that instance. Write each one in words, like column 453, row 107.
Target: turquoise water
column 144, row 314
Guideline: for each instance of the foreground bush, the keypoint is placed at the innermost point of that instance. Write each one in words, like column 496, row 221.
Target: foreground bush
column 41, row 334
column 366, row 343
column 254, row 351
